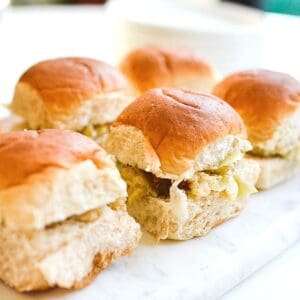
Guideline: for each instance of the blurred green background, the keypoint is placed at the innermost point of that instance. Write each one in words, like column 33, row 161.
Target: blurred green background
column 282, row 6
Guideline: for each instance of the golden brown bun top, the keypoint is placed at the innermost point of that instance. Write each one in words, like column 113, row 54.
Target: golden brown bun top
column 179, row 123
column 262, row 98
column 152, row 66
column 24, row 153
column 66, row 82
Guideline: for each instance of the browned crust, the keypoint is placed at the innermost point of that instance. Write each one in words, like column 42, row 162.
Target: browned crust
column 23, row 153
column 152, row 66
column 66, row 82
column 179, row 124
column 263, row 99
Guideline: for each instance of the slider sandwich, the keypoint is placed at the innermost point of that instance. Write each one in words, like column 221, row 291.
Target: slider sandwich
column 182, row 156
column 269, row 104
column 79, row 94
column 63, row 217
column 151, row 66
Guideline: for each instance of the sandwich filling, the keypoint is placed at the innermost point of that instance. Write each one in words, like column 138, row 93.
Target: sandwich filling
column 96, row 132
column 285, row 142
column 94, row 214
column 235, row 177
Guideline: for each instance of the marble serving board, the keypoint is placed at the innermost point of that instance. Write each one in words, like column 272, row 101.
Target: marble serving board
column 203, row 268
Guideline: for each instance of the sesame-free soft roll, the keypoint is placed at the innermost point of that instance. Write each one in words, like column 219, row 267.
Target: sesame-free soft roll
column 79, row 94
column 152, row 66
column 182, row 156
column 269, row 104
column 62, row 211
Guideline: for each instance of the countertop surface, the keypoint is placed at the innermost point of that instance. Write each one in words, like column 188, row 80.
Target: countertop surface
column 28, row 35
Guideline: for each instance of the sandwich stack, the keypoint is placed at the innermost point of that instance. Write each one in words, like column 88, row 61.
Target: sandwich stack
column 182, row 154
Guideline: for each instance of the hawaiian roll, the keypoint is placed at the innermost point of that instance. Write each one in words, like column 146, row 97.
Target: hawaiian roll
column 151, row 66
column 62, row 211
column 79, row 94
column 269, row 104
column 182, row 156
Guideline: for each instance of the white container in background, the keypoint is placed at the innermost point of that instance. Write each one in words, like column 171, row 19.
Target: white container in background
column 227, row 35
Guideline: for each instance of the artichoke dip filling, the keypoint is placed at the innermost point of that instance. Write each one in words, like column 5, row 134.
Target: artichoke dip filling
column 96, row 132
column 278, row 153
column 285, row 142
column 93, row 214
column 230, row 181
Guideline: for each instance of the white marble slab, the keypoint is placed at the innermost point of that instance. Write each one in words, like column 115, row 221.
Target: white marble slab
column 201, row 268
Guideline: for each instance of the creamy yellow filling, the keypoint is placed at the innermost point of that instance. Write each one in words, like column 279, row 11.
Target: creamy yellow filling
column 231, row 182
column 292, row 154
column 202, row 184
column 89, row 216
column 92, row 131
column 94, row 214
column 96, row 132
column 138, row 185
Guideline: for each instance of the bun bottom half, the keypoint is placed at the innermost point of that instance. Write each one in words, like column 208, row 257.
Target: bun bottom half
column 275, row 171
column 67, row 255
column 159, row 218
